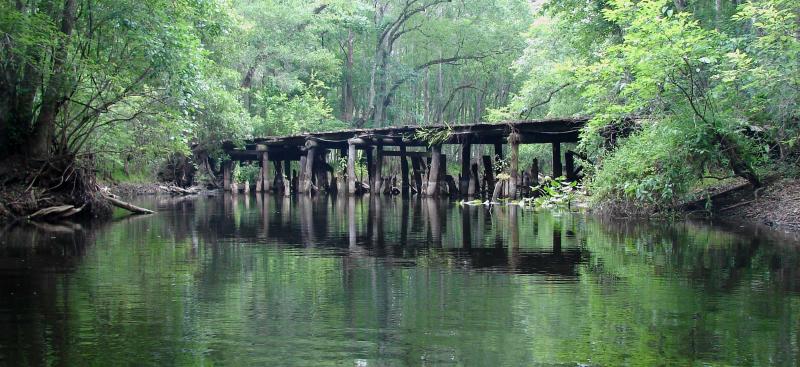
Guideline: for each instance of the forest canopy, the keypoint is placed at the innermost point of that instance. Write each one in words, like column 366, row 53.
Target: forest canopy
column 678, row 91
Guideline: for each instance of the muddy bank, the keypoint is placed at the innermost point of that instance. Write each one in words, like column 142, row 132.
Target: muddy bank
column 776, row 206
column 25, row 193
column 27, row 186
column 134, row 189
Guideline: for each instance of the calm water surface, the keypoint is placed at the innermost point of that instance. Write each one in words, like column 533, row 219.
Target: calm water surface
column 271, row 281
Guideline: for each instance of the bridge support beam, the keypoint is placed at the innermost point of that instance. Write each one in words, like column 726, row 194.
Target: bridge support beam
column 279, row 186
column 416, row 166
column 433, row 172
column 513, row 141
column 264, row 181
column 307, row 169
column 377, row 180
column 558, row 169
column 474, row 182
column 464, row 177
column 569, row 159
column 404, row 182
column 488, row 175
column 301, row 175
column 287, row 177
column 351, row 168
column 227, row 168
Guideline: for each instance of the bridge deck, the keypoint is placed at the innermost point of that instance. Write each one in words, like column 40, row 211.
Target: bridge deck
column 311, row 150
column 563, row 130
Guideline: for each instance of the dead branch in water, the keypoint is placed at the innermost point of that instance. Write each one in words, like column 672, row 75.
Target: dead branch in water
column 125, row 205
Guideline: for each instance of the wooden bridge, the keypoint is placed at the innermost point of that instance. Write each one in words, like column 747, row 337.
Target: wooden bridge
column 427, row 176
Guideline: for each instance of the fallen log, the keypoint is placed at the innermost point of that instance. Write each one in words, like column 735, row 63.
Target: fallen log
column 175, row 190
column 127, row 206
column 71, row 212
column 55, row 212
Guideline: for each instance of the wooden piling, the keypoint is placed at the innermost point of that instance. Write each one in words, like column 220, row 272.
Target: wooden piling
column 404, row 181
column 513, row 140
column 321, row 172
column 307, row 176
column 351, row 168
column 416, row 165
column 464, row 178
column 279, row 178
column 227, row 171
column 558, row 170
column 301, row 179
column 377, row 183
column 488, row 174
column 266, row 180
column 433, row 174
column 287, row 172
column 474, row 182
column 259, row 179
column 370, row 164
column 569, row 158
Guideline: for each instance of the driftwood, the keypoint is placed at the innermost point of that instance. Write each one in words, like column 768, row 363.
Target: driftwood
column 175, row 190
column 125, row 205
column 56, row 212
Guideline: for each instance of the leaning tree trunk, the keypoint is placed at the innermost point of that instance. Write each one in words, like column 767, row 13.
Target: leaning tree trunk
column 738, row 164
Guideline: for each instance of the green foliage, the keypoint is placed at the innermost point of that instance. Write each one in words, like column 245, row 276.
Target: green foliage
column 553, row 193
column 708, row 89
column 246, row 173
column 305, row 110
column 500, row 165
column 434, row 135
column 340, row 166
column 648, row 169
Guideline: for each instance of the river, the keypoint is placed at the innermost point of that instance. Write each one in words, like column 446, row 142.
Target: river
column 252, row 280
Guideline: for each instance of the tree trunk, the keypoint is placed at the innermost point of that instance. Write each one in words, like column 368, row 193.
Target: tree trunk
column 348, row 104
column 54, row 92
column 738, row 164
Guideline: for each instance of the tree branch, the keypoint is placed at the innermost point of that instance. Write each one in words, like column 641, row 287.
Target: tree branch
column 550, row 95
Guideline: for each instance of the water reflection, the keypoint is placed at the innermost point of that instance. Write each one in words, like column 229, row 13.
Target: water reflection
column 308, row 281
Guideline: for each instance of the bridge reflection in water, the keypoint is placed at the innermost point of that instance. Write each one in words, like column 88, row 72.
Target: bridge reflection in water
column 477, row 237
column 326, row 280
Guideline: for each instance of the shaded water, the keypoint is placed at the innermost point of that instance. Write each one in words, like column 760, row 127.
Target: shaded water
column 272, row 281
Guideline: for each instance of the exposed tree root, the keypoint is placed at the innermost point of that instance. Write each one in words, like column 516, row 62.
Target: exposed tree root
column 57, row 188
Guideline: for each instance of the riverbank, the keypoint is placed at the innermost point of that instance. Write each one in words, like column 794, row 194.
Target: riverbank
column 18, row 200
column 776, row 206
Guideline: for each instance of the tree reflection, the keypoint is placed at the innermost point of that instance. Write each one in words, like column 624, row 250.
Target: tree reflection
column 271, row 279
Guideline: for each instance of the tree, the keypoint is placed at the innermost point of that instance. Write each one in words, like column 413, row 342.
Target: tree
column 111, row 61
